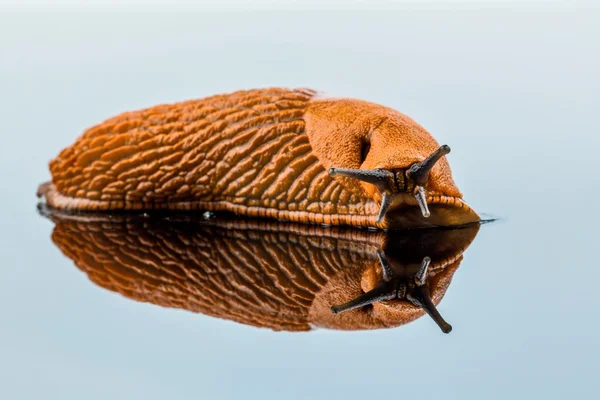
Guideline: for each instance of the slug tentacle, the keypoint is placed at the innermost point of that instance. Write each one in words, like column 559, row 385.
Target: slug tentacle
column 386, row 202
column 422, row 200
column 380, row 178
column 419, row 172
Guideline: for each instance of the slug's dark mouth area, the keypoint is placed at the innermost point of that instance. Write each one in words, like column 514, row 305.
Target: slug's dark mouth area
column 445, row 211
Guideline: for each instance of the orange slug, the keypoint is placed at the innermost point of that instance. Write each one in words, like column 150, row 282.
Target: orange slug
column 277, row 275
column 278, row 153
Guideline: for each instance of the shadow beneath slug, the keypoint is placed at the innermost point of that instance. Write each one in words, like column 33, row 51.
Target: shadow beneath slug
column 282, row 276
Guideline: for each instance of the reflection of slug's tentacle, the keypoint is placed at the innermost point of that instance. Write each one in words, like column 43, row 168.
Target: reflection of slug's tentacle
column 386, row 270
column 421, row 297
column 380, row 293
column 421, row 275
column 395, row 287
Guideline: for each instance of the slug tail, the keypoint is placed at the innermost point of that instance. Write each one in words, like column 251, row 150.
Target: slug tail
column 43, row 189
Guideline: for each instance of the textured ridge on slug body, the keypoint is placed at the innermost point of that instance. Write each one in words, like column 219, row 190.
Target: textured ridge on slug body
column 57, row 200
column 246, row 152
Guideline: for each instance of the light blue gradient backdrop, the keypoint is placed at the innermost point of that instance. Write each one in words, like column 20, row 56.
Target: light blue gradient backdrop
column 513, row 91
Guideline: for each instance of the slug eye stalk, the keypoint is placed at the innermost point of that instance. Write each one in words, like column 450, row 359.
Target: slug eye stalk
column 380, row 178
column 419, row 174
column 390, row 183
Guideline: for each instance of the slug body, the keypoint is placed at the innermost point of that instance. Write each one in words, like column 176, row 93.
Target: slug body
column 277, row 153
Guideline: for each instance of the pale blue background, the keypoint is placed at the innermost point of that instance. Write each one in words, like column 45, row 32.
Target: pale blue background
column 513, row 89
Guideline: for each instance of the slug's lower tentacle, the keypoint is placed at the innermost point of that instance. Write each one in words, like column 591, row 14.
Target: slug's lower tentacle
column 386, row 202
column 422, row 200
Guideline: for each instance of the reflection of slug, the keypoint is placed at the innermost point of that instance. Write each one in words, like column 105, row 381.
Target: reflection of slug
column 280, row 276
column 263, row 153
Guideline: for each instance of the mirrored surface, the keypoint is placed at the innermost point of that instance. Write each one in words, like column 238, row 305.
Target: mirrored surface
column 278, row 275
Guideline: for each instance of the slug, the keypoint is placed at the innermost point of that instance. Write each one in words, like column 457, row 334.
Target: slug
column 273, row 275
column 277, row 153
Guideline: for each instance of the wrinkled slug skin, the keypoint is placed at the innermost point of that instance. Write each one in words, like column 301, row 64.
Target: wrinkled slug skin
column 261, row 153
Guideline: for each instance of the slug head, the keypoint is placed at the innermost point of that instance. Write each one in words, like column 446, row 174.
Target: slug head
column 412, row 180
column 384, row 155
